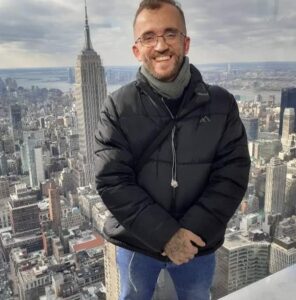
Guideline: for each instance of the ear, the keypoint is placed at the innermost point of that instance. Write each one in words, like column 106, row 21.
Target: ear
column 137, row 52
column 186, row 45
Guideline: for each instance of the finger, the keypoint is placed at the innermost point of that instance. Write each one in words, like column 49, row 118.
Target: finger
column 195, row 250
column 175, row 260
column 190, row 248
column 163, row 254
column 178, row 259
column 197, row 240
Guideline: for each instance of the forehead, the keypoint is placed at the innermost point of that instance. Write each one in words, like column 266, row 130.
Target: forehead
column 157, row 20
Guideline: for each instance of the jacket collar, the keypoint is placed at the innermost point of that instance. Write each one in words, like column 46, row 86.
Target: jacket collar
column 195, row 94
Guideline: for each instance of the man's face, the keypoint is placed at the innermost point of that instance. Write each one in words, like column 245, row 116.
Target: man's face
column 163, row 60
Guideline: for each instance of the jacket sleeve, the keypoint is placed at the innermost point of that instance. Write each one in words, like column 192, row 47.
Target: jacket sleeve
column 227, row 183
column 116, row 183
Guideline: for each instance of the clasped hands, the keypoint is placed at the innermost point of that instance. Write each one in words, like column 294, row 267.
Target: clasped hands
column 182, row 247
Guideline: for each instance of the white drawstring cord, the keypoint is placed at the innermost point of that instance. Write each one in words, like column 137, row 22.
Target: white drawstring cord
column 174, row 182
column 129, row 272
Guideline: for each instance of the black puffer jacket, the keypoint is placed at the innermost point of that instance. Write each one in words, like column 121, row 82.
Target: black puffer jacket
column 211, row 166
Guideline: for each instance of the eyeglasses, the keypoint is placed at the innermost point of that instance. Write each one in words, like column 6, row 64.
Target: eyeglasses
column 151, row 39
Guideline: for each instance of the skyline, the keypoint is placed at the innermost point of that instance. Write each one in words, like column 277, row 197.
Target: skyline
column 37, row 34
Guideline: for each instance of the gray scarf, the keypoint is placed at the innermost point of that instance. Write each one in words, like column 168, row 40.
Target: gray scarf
column 171, row 89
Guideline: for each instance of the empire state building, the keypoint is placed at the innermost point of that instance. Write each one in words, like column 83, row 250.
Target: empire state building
column 90, row 94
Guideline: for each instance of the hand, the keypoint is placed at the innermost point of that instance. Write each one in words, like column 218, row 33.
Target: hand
column 180, row 248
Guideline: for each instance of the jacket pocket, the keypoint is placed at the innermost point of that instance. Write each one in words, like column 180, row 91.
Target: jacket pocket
column 113, row 231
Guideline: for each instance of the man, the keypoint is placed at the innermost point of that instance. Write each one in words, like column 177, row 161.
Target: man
column 172, row 211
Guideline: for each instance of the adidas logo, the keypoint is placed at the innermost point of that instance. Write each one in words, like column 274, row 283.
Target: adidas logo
column 205, row 119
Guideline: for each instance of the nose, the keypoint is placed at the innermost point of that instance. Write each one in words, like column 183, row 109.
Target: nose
column 161, row 45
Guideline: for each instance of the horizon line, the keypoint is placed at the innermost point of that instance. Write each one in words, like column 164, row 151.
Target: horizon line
column 124, row 66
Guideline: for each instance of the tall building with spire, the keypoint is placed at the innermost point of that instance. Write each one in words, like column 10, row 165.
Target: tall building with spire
column 90, row 94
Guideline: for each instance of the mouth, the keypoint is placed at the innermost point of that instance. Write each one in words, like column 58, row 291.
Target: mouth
column 163, row 58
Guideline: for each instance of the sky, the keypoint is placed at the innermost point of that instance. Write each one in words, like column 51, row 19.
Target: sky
column 50, row 33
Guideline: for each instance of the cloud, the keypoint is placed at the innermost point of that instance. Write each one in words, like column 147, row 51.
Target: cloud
column 244, row 30
column 220, row 30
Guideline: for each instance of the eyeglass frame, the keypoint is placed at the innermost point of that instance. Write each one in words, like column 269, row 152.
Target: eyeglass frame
column 139, row 39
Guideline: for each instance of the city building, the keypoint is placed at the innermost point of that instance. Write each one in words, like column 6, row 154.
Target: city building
column 30, row 241
column 32, row 282
column 250, row 204
column 4, row 188
column 33, row 159
column 111, row 272
column 87, row 198
column 73, row 144
column 4, row 214
column 62, row 145
column 85, row 241
column 250, row 221
column 275, row 185
column 288, row 100
column 251, row 126
column 240, row 261
column 66, row 181
column 283, row 248
column 90, row 93
column 38, row 137
column 39, row 166
column 3, row 164
column 16, row 121
column 8, row 144
column 72, row 218
column 29, row 273
column 24, row 211
column 64, row 286
column 289, row 208
column 55, row 213
column 265, row 149
column 288, row 128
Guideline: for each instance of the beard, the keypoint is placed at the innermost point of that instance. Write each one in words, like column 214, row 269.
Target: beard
column 167, row 72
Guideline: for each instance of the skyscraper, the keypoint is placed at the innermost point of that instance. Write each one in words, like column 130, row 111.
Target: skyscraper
column 16, row 120
column 288, row 100
column 251, row 126
column 55, row 210
column 288, row 127
column 4, row 188
column 290, row 192
column 34, row 159
column 275, row 186
column 3, row 164
column 90, row 93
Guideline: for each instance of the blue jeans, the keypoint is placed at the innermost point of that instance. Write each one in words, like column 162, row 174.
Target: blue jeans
column 139, row 273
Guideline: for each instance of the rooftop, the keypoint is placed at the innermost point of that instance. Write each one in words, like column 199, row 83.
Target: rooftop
column 87, row 242
column 236, row 240
column 8, row 239
column 33, row 273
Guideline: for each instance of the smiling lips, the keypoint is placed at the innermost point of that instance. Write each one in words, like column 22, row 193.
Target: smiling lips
column 162, row 58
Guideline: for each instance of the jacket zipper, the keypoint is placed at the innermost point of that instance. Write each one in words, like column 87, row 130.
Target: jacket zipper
column 174, row 182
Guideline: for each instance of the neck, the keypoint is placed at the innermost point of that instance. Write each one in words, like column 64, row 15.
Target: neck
column 170, row 89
